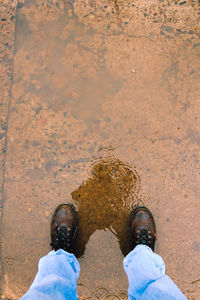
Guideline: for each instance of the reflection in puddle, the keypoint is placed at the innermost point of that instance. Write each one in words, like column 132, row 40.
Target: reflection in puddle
column 105, row 200
column 63, row 68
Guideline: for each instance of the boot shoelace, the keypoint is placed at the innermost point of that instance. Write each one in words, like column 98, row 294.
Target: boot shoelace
column 144, row 237
column 63, row 239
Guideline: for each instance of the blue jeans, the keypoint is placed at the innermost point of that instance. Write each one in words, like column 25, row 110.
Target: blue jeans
column 59, row 271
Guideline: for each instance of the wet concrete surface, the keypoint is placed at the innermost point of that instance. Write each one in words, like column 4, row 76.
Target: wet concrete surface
column 100, row 107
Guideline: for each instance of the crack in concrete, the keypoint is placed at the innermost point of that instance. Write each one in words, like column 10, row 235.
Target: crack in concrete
column 2, row 200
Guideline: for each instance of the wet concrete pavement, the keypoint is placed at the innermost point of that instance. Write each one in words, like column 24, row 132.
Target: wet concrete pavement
column 100, row 107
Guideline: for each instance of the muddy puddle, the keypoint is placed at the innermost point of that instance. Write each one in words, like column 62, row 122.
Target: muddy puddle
column 105, row 200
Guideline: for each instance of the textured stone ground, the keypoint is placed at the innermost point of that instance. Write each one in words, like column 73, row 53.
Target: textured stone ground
column 85, row 79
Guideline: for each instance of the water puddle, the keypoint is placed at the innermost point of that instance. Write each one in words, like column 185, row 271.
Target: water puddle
column 63, row 64
column 105, row 201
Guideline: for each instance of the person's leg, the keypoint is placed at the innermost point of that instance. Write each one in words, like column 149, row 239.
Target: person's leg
column 56, row 278
column 59, row 270
column 144, row 268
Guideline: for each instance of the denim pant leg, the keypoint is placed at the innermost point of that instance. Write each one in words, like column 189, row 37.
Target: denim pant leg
column 146, row 275
column 56, row 278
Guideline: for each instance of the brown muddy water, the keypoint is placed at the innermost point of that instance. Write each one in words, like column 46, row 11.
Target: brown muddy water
column 105, row 201
column 104, row 113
